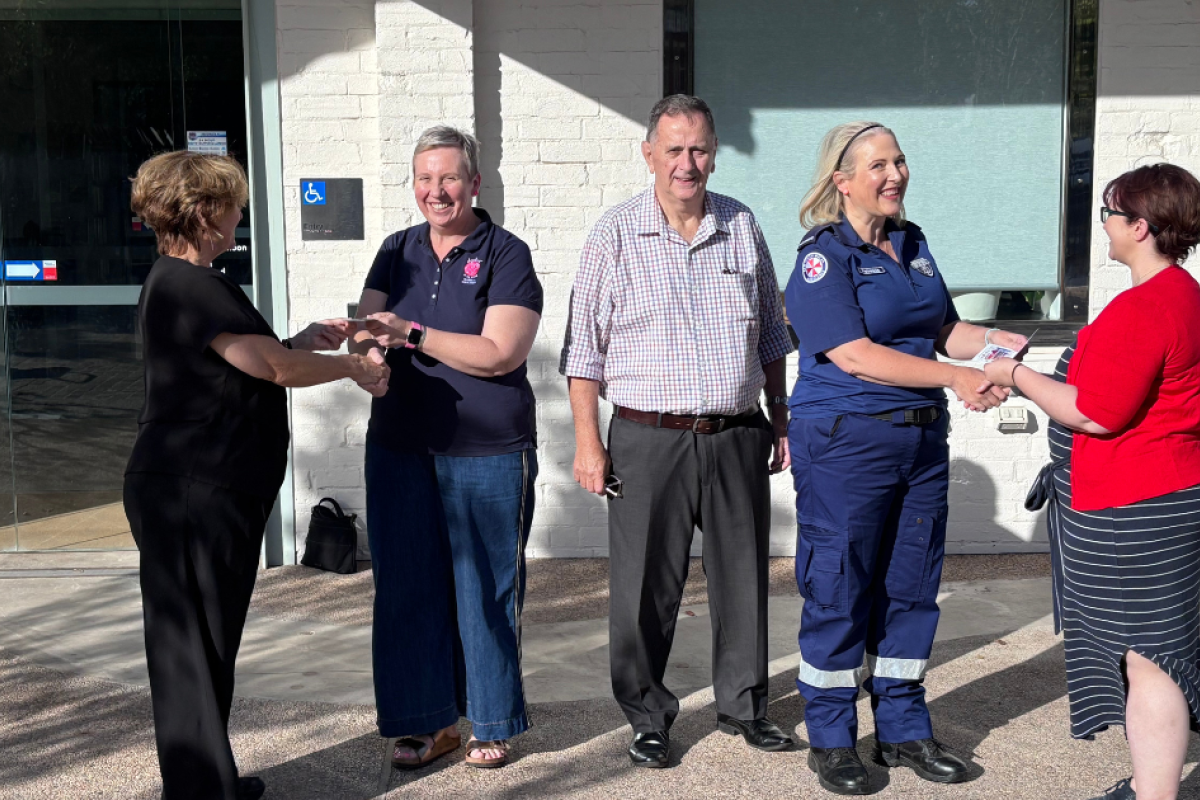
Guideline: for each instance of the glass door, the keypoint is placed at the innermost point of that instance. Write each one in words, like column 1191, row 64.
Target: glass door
column 93, row 88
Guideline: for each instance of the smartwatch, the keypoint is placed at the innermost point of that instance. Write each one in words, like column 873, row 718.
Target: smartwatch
column 416, row 337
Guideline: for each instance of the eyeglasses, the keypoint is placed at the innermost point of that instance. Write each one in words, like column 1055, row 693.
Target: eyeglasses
column 1106, row 212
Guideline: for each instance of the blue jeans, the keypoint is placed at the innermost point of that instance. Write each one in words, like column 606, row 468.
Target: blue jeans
column 447, row 537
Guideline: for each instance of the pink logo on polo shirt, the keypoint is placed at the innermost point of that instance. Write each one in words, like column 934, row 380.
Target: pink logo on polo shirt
column 471, row 271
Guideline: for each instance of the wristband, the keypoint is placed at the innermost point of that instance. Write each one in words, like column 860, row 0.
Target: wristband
column 287, row 343
column 1012, row 376
column 987, row 335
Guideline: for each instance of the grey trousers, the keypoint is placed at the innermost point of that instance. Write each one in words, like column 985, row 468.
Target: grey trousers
column 676, row 481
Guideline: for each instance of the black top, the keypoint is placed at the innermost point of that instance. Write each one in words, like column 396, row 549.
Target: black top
column 433, row 408
column 203, row 418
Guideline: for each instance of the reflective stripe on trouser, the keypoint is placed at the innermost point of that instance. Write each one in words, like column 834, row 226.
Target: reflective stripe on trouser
column 907, row 669
column 871, row 509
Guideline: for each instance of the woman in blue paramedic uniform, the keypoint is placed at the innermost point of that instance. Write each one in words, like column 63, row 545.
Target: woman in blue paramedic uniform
column 870, row 458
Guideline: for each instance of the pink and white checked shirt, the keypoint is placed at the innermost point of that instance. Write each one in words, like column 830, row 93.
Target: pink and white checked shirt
column 672, row 327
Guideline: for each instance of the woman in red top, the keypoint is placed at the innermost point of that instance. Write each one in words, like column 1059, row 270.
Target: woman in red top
column 1125, row 525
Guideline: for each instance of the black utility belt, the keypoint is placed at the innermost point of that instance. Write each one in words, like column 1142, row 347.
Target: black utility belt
column 911, row 416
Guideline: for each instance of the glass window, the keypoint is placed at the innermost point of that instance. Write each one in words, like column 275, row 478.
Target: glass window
column 94, row 88
column 974, row 90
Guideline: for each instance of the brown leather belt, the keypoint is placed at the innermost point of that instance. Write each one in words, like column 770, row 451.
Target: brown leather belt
column 705, row 423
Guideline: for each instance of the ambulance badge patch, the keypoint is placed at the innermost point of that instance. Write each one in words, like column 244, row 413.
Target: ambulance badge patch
column 814, row 267
column 923, row 266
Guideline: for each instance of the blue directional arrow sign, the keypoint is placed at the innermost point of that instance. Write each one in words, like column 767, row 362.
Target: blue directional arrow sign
column 23, row 270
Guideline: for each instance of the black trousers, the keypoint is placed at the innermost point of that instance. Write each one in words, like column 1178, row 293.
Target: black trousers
column 199, row 549
column 676, row 481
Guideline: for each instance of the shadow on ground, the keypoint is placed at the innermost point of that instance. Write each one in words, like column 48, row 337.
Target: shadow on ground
column 564, row 589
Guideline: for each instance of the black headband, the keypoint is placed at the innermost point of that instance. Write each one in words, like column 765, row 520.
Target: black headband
column 845, row 149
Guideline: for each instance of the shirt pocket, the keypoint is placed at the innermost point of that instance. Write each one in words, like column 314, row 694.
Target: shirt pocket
column 736, row 289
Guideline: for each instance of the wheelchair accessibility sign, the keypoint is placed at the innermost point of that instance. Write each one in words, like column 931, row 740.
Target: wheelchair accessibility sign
column 331, row 208
column 312, row 193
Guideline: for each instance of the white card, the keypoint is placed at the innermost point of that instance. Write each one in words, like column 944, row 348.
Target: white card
column 991, row 353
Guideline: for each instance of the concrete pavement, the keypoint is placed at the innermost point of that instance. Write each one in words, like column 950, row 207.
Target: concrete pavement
column 75, row 722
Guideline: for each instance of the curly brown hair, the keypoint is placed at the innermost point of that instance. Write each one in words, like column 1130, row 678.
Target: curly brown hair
column 1168, row 198
column 179, row 194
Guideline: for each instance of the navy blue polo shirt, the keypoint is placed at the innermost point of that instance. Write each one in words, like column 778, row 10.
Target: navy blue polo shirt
column 844, row 289
column 430, row 407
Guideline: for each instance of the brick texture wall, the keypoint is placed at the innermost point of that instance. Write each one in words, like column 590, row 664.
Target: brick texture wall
column 558, row 91
column 1148, row 107
column 561, row 89
column 329, row 92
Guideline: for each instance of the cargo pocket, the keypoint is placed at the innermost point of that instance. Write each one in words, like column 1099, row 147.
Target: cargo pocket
column 820, row 571
column 908, row 572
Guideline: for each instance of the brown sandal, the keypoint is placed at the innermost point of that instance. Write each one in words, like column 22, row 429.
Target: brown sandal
column 484, row 761
column 426, row 747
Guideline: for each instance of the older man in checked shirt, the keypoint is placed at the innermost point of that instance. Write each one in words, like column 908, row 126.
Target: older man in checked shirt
column 676, row 320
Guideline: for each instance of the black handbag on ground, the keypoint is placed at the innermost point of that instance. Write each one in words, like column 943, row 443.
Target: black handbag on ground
column 332, row 542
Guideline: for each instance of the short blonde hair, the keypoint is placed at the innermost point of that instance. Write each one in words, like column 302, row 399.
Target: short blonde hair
column 823, row 202
column 446, row 136
column 178, row 193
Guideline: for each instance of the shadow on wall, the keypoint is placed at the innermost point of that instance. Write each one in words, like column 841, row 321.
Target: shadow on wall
column 976, row 510
column 328, row 455
column 489, row 128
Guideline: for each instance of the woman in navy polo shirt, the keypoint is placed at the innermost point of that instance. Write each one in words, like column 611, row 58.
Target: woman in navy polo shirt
column 869, row 456
column 450, row 465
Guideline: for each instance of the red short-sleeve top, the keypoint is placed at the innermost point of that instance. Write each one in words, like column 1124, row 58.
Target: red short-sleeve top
column 1137, row 370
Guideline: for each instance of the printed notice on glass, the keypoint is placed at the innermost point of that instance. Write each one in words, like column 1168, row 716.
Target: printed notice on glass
column 212, row 143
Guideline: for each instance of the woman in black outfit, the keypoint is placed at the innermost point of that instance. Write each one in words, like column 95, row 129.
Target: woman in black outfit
column 209, row 459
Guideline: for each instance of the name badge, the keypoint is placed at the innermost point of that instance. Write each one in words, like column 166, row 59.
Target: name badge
column 872, row 270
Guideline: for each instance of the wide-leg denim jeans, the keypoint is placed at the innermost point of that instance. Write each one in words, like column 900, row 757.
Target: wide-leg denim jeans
column 447, row 537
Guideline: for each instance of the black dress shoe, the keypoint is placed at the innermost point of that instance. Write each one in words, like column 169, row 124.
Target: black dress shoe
column 1121, row 790
column 650, row 750
column 760, row 733
column 250, row 788
column 839, row 770
column 927, row 759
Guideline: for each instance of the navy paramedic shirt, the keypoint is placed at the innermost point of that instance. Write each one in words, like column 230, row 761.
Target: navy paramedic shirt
column 430, row 407
column 844, row 289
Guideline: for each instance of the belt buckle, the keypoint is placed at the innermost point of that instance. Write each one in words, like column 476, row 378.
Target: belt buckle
column 697, row 420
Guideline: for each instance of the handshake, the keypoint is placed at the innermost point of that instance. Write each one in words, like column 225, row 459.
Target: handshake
column 369, row 369
column 981, row 388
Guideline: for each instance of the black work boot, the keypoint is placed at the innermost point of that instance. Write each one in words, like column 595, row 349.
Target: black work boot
column 927, row 758
column 839, row 769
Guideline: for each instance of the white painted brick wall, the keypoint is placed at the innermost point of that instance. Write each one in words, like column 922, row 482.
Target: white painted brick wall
column 329, row 92
column 558, row 91
column 563, row 89
column 1148, row 107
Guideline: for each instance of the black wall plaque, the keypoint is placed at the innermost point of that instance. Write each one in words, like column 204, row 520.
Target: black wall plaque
column 331, row 208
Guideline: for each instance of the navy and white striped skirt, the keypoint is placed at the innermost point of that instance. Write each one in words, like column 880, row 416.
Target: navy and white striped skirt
column 1129, row 580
